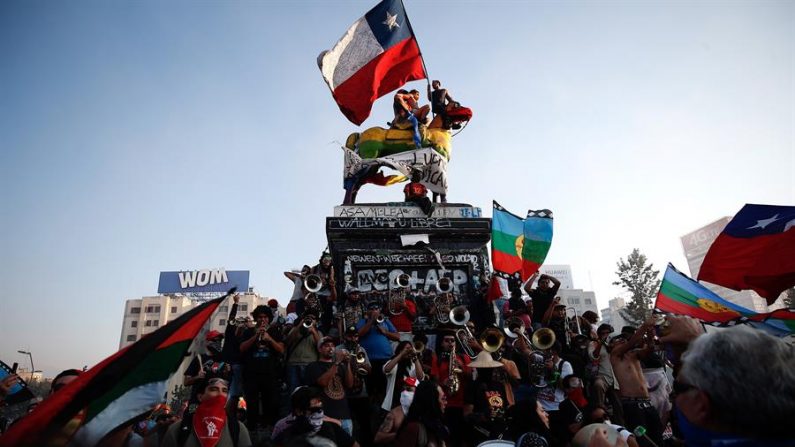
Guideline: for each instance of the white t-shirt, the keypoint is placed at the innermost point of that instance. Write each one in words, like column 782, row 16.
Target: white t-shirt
column 552, row 395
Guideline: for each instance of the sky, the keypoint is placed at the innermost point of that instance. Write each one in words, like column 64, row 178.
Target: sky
column 146, row 136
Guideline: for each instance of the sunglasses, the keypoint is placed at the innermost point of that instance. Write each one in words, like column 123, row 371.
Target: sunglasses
column 315, row 410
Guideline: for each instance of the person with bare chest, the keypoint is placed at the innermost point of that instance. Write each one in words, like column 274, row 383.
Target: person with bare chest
column 625, row 357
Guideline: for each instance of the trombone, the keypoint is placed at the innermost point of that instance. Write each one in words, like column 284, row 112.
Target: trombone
column 576, row 319
column 514, row 328
column 459, row 316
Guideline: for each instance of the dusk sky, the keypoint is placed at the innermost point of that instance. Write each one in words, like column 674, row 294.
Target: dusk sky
column 146, row 136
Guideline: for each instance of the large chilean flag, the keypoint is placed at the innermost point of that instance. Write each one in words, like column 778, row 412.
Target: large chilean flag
column 378, row 54
column 755, row 251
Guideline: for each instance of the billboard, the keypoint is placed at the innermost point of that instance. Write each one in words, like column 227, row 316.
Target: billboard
column 201, row 281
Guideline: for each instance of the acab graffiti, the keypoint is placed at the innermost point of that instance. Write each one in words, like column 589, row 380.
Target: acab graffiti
column 424, row 280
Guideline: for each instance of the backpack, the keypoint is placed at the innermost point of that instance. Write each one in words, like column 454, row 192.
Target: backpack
column 186, row 426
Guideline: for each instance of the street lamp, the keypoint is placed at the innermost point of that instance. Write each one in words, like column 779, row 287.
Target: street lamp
column 28, row 353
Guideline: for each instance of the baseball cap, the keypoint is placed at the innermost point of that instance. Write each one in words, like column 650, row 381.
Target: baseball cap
column 411, row 381
column 213, row 335
column 323, row 341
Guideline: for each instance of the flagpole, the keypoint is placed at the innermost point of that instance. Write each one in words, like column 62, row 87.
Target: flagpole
column 411, row 29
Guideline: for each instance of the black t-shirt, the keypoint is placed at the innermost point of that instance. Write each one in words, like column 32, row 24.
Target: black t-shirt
column 334, row 396
column 568, row 413
column 488, row 399
column 542, row 300
column 261, row 359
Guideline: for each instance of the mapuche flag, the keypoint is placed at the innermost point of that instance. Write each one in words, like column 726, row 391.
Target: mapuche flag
column 683, row 296
column 519, row 246
column 117, row 391
column 378, row 54
column 755, row 251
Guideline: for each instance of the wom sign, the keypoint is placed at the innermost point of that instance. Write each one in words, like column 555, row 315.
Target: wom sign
column 207, row 280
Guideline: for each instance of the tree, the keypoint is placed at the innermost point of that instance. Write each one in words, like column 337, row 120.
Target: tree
column 637, row 276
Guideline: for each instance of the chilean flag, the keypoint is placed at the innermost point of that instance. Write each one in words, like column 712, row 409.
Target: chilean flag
column 755, row 251
column 378, row 54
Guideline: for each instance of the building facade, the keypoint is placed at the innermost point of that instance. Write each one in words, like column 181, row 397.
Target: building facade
column 612, row 316
column 145, row 315
column 579, row 299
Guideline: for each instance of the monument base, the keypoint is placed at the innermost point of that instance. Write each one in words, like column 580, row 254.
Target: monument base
column 373, row 244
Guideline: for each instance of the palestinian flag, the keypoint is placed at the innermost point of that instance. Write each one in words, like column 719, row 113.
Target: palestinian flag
column 683, row 296
column 118, row 391
column 519, row 245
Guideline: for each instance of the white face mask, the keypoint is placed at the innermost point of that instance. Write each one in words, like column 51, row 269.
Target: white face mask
column 316, row 420
column 406, row 397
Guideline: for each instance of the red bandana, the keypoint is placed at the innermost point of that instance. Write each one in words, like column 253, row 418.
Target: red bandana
column 209, row 420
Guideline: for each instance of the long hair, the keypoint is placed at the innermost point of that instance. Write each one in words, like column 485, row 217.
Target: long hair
column 425, row 409
column 524, row 418
column 403, row 362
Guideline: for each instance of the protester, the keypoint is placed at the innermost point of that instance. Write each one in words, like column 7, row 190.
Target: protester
column 207, row 366
column 424, row 424
column 405, row 363
column 529, row 424
column 375, row 338
column 307, row 422
column 333, row 374
column 635, row 403
column 262, row 348
column 735, row 387
column 301, row 347
column 209, row 422
column 543, row 294
column 387, row 432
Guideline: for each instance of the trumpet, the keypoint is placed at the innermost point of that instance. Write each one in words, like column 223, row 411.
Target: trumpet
column 491, row 339
column 380, row 319
column 308, row 323
column 515, row 328
column 313, row 283
column 459, row 316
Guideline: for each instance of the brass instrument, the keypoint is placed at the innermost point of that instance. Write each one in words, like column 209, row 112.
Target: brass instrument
column 543, row 339
column 573, row 322
column 419, row 347
column 380, row 319
column 313, row 283
column 243, row 322
column 442, row 302
column 491, row 339
column 312, row 304
column 459, row 316
column 260, row 339
column 397, row 296
column 514, row 328
column 308, row 323
column 444, row 285
column 453, row 381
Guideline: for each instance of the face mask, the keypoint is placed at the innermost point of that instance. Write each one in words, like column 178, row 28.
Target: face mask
column 406, row 397
column 695, row 436
column 578, row 397
column 316, row 420
column 214, row 346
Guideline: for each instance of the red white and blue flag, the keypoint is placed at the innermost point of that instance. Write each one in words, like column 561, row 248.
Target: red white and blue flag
column 755, row 251
column 378, row 54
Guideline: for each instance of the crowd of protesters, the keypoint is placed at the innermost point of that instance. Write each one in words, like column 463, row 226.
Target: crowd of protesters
column 347, row 370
